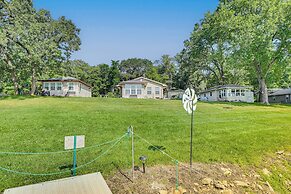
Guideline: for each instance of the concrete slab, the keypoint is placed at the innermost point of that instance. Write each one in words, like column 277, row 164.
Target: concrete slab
column 84, row 184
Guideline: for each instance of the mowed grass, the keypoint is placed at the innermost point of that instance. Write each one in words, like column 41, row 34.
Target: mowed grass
column 224, row 132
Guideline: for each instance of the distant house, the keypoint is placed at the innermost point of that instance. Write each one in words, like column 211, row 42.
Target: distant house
column 280, row 96
column 228, row 93
column 66, row 86
column 175, row 94
column 142, row 87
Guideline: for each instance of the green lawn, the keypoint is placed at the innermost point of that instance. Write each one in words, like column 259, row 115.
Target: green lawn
column 224, row 132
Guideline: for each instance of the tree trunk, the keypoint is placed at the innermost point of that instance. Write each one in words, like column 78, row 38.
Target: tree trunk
column 263, row 90
column 263, row 93
column 33, row 81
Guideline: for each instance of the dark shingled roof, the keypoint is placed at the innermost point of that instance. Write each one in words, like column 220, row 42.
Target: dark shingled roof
column 281, row 92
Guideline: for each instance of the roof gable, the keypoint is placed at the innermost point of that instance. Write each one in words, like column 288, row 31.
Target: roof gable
column 150, row 80
column 142, row 80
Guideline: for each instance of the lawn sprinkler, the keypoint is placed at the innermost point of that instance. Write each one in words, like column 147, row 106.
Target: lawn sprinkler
column 189, row 101
column 143, row 160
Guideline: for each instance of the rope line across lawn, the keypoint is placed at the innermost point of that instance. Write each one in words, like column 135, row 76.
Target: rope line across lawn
column 66, row 171
column 57, row 152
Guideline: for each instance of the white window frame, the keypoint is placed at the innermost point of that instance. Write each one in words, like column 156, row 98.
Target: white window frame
column 127, row 89
column 157, row 90
column 237, row 92
column 53, row 86
column 46, row 86
column 59, row 86
column 138, row 89
column 233, row 92
column 133, row 90
column 71, row 86
column 149, row 90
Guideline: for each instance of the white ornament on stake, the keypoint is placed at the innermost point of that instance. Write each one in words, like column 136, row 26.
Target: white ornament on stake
column 189, row 100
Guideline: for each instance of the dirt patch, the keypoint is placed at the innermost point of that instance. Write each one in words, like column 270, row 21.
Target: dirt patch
column 204, row 178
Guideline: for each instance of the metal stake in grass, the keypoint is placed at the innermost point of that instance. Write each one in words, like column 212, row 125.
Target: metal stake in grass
column 189, row 101
column 75, row 156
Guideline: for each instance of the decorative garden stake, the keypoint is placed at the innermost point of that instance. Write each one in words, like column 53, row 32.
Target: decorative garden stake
column 189, row 101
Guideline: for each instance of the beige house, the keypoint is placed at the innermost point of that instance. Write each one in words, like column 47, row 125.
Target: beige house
column 142, row 87
column 66, row 86
column 228, row 93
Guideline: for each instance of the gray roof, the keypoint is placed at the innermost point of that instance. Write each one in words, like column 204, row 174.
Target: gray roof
column 63, row 79
column 141, row 80
column 225, row 86
column 281, row 92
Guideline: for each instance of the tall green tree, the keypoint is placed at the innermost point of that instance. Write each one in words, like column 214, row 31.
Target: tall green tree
column 259, row 31
column 166, row 69
column 135, row 67
column 33, row 41
column 114, row 76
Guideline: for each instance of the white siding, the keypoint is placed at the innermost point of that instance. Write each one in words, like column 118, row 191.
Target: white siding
column 78, row 89
column 127, row 91
column 228, row 94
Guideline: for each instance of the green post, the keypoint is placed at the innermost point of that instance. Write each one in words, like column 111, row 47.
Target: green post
column 75, row 156
column 191, row 136
column 177, row 174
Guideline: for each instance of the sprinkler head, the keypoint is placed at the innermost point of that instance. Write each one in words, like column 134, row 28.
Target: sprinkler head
column 143, row 159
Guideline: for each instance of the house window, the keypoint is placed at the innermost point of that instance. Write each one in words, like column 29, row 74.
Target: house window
column 210, row 93
column 138, row 90
column 237, row 92
column 274, row 98
column 149, row 90
column 242, row 93
column 133, row 89
column 232, row 92
column 222, row 92
column 157, row 91
column 71, row 86
column 46, row 86
column 59, row 86
column 204, row 95
column 53, row 86
column 127, row 89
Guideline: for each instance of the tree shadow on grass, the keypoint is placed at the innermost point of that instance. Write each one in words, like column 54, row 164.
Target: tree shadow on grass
column 244, row 104
column 156, row 147
column 25, row 97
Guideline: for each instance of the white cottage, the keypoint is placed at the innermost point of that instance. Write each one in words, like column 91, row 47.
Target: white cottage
column 228, row 93
column 66, row 86
column 142, row 87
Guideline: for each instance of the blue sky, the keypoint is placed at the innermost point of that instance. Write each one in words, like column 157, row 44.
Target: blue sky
column 121, row 29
